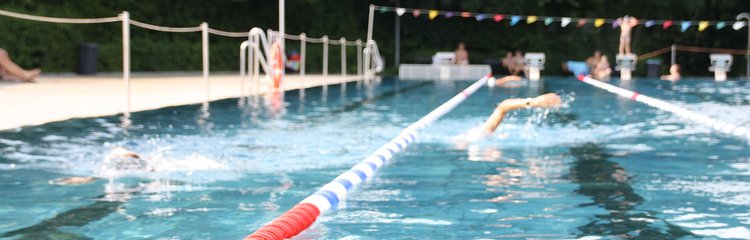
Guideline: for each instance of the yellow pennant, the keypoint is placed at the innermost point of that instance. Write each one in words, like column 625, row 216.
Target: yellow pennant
column 531, row 19
column 432, row 14
column 702, row 26
column 598, row 22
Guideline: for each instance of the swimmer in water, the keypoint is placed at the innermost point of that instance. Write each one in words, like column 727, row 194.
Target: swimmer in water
column 674, row 73
column 118, row 158
column 507, row 105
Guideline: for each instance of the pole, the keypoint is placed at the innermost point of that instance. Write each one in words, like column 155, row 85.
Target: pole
column 370, row 19
column 397, row 56
column 281, row 23
column 325, row 56
column 747, row 54
column 302, row 54
column 343, row 56
column 359, row 58
column 674, row 54
column 204, row 35
column 126, row 59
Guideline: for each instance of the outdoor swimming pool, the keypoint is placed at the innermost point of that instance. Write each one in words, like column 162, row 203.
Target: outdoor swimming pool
column 599, row 166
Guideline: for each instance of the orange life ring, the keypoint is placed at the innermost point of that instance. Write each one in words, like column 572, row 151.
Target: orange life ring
column 277, row 65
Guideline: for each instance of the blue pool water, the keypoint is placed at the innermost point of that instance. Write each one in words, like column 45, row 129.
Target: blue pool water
column 600, row 166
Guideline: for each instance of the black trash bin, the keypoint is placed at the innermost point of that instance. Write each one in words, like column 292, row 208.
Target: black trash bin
column 652, row 68
column 87, row 58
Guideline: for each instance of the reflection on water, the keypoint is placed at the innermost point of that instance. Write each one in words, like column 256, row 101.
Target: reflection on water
column 608, row 186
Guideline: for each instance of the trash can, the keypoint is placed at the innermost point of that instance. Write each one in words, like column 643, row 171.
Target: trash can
column 87, row 58
column 652, row 68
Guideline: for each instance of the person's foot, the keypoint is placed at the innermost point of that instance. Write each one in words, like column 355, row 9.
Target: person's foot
column 32, row 74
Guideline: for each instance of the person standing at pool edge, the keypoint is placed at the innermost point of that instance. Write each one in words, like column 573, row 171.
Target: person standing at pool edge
column 462, row 56
column 626, row 27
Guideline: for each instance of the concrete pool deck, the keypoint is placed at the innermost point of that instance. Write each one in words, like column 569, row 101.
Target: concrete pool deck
column 56, row 98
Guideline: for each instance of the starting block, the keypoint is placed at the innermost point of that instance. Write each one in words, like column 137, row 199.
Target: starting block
column 534, row 63
column 720, row 65
column 626, row 65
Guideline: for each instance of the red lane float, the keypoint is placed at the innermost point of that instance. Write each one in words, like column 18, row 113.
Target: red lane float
column 718, row 125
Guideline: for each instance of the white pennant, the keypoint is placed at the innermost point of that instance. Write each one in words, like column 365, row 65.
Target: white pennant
column 400, row 11
column 738, row 24
column 565, row 21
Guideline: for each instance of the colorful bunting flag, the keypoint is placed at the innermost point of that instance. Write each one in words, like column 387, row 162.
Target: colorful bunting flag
column 582, row 22
column 548, row 21
column 481, row 17
column 598, row 22
column 721, row 25
column 616, row 23
column 514, row 20
column 400, row 11
column 702, row 26
column 738, row 25
column 649, row 23
column 416, row 12
column 449, row 14
column 667, row 24
column 685, row 25
column 498, row 17
column 564, row 21
column 465, row 14
column 531, row 19
column 432, row 14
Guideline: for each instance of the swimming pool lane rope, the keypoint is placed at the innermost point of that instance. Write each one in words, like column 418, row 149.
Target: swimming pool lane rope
column 302, row 215
column 716, row 124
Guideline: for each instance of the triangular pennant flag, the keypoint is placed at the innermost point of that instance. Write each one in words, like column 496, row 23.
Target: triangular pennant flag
column 548, row 21
column 685, row 25
column 582, row 22
column 432, row 14
column 449, row 14
column 667, row 24
column 598, row 22
column 721, row 25
column 384, row 9
column 531, row 19
column 400, row 11
column 481, row 17
column 616, row 23
column 465, row 14
column 649, row 23
column 564, row 21
column 738, row 25
column 498, row 17
column 514, row 20
column 702, row 26
column 416, row 12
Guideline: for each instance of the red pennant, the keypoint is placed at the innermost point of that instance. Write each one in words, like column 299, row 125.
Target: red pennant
column 465, row 14
column 582, row 22
column 667, row 24
column 498, row 17
column 416, row 12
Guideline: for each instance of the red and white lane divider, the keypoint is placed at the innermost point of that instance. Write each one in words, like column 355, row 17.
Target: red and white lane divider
column 302, row 215
column 718, row 125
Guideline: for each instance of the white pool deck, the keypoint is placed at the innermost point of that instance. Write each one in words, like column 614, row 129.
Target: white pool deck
column 60, row 97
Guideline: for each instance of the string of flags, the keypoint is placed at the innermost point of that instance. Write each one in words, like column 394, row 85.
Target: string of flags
column 564, row 21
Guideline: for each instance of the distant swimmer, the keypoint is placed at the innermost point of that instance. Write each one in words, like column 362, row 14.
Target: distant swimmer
column 501, row 82
column 602, row 71
column 674, row 73
column 507, row 105
column 117, row 159
column 626, row 26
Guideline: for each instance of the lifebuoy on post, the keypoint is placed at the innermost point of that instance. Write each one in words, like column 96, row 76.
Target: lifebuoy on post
column 277, row 65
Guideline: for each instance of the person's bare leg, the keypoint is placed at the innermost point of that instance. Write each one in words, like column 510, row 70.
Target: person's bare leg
column 627, row 47
column 546, row 100
column 14, row 70
column 622, row 47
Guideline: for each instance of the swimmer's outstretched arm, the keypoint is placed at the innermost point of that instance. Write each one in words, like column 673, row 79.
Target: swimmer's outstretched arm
column 546, row 100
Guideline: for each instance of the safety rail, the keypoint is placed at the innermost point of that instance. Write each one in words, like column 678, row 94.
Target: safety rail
column 718, row 125
column 304, row 214
column 205, row 30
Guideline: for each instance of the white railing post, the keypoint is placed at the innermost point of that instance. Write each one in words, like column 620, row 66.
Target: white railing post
column 325, row 56
column 359, row 58
column 256, row 63
column 343, row 56
column 125, row 16
column 204, row 36
column 302, row 54
column 243, row 67
column 368, row 53
column 674, row 54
